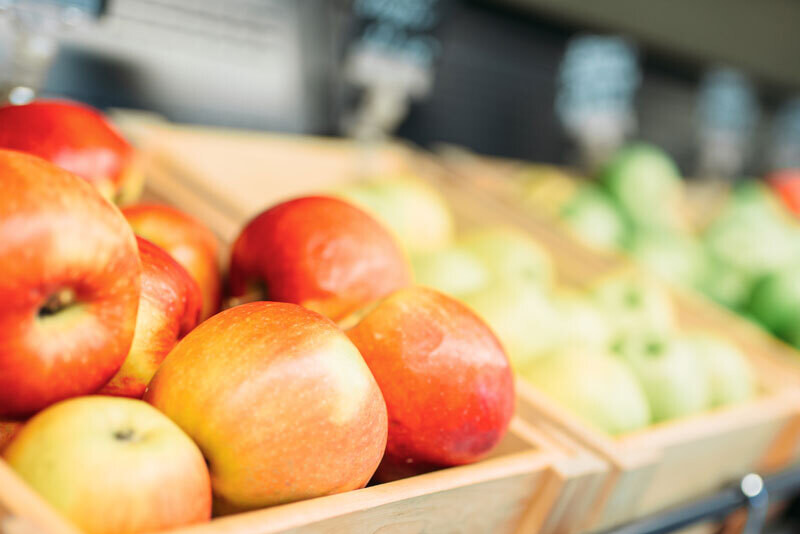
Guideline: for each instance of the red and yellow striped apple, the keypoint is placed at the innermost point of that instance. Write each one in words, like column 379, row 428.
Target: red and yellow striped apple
column 169, row 307
column 319, row 252
column 113, row 466
column 280, row 402
column 447, row 383
column 187, row 240
column 76, row 138
column 69, row 286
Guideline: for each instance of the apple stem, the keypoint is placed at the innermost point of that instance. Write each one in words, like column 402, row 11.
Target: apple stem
column 57, row 301
column 124, row 435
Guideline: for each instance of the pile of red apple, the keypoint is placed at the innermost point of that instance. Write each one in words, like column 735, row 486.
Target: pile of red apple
column 131, row 404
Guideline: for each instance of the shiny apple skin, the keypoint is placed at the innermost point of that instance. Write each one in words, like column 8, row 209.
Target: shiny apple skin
column 321, row 253
column 187, row 240
column 112, row 466
column 280, row 402
column 73, row 136
column 447, row 383
column 169, row 307
column 57, row 233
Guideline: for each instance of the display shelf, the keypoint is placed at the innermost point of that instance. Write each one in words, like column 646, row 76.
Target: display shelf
column 752, row 493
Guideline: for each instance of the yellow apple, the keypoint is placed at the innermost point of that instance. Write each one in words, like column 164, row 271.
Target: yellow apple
column 509, row 253
column 451, row 270
column 412, row 209
column 594, row 386
column 113, row 466
column 522, row 315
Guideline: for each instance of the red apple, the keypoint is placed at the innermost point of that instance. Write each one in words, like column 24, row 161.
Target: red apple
column 169, row 307
column 447, row 383
column 319, row 252
column 112, row 466
column 786, row 184
column 8, row 429
column 77, row 138
column 187, row 240
column 69, row 285
column 280, row 402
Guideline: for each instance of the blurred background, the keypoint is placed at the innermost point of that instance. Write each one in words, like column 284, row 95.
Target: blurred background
column 515, row 78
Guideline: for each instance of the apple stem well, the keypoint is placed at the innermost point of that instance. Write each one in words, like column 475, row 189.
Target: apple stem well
column 126, row 434
column 57, row 302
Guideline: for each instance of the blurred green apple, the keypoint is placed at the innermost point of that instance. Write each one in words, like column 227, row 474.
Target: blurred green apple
column 677, row 258
column 508, row 253
column 594, row 386
column 726, row 285
column 775, row 303
column 674, row 379
column 646, row 183
column 522, row 315
column 582, row 322
column 753, row 245
column 451, row 270
column 755, row 197
column 754, row 234
column 415, row 212
column 729, row 372
column 595, row 219
column 634, row 303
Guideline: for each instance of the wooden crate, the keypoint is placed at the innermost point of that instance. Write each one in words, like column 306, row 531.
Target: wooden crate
column 651, row 469
column 671, row 462
column 535, row 481
column 528, row 483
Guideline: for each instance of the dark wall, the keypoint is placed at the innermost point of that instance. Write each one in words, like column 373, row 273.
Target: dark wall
column 495, row 89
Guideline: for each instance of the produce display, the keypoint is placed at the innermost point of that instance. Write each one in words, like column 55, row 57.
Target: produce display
column 611, row 352
column 326, row 369
column 359, row 335
column 742, row 255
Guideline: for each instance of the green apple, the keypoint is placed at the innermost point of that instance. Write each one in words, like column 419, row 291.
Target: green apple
column 755, row 197
column 634, row 303
column 775, row 303
column 728, row 371
column 674, row 379
column 727, row 285
column 509, row 253
column 522, row 315
column 582, row 322
column 594, row 386
column 752, row 244
column 595, row 218
column 754, row 234
column 415, row 212
column 646, row 183
column 451, row 270
column 113, row 466
column 676, row 258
